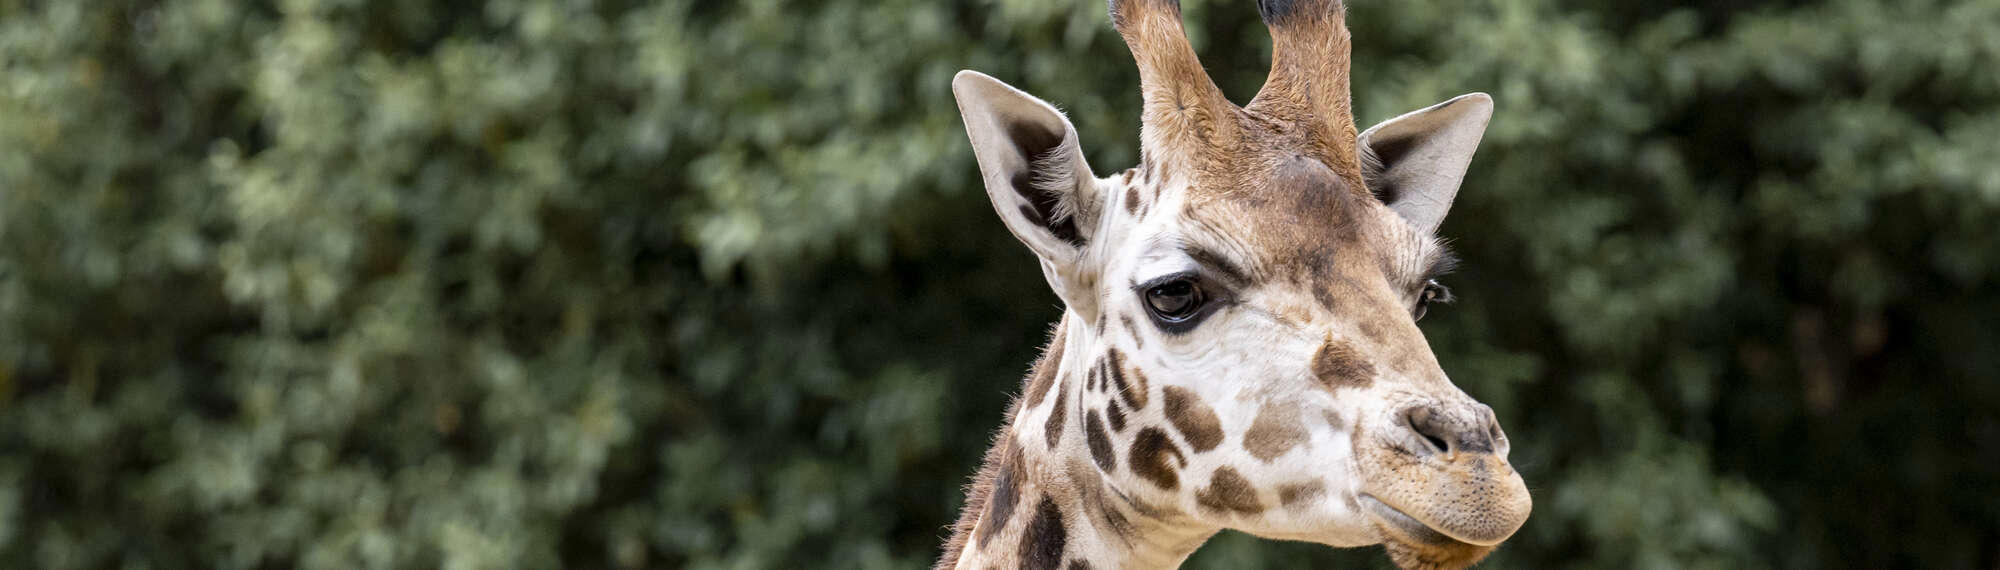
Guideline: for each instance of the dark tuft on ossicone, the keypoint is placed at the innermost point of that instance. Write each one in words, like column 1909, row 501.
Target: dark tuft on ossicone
column 1280, row 11
column 1117, row 15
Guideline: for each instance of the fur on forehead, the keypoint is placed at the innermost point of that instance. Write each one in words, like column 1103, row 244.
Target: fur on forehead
column 1284, row 215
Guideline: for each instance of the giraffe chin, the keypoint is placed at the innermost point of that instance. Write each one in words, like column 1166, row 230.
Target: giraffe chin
column 1435, row 557
column 1413, row 545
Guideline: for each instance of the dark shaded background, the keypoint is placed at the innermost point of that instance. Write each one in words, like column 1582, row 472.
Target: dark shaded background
column 528, row 283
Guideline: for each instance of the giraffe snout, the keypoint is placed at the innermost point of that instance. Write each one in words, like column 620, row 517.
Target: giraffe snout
column 1441, row 485
column 1455, row 428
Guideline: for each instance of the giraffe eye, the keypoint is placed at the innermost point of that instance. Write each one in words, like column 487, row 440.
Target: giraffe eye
column 1174, row 302
column 1433, row 292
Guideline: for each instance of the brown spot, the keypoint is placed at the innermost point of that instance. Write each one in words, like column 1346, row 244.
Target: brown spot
column 1338, row 365
column 1132, row 200
column 1006, row 493
column 1229, row 492
column 1090, row 379
column 1275, row 431
column 1138, row 338
column 1043, row 541
column 1333, row 420
column 1044, row 371
column 1057, row 415
column 1116, row 415
column 1039, row 387
column 1195, row 420
column 1079, row 565
column 1293, row 494
column 1139, row 385
column 1114, row 367
column 1100, row 444
column 1155, row 458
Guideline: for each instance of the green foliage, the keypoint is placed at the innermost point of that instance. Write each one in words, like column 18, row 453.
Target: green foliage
column 529, row 283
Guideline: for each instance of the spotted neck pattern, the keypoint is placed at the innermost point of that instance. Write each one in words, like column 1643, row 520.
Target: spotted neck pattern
column 1041, row 500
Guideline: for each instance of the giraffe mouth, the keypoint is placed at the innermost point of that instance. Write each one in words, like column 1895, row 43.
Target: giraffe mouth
column 1410, row 529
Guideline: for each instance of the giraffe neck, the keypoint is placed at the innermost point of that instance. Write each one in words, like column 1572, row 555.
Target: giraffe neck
column 1039, row 502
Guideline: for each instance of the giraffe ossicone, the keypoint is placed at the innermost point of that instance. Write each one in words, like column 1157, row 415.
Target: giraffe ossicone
column 1238, row 348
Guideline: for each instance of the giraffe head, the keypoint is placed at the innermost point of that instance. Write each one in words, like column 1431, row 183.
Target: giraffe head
column 1242, row 350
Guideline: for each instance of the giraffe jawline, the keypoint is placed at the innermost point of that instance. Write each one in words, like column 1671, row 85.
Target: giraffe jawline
column 1409, row 528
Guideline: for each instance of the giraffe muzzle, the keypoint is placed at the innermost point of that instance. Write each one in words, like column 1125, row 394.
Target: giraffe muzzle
column 1442, row 488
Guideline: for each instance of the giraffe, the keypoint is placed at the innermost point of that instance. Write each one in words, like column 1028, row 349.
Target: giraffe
column 1238, row 347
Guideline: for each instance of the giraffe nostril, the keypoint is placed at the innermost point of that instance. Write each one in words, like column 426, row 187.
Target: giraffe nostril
column 1436, row 443
column 1424, row 421
column 1454, row 429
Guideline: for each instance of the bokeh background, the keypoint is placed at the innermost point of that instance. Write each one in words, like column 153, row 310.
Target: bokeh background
column 681, row 284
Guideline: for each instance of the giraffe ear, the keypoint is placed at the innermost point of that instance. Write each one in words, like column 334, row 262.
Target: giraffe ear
column 1034, row 171
column 1420, row 158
